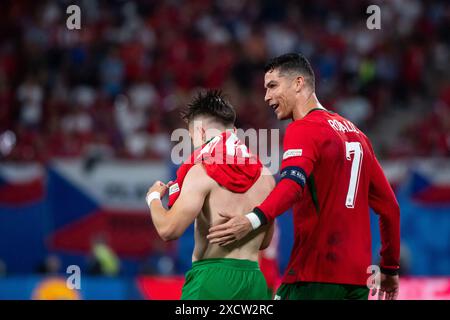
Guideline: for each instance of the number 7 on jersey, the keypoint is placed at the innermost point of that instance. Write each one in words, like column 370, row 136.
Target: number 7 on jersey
column 355, row 149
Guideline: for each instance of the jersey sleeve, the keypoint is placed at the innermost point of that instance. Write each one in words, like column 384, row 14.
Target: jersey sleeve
column 174, row 193
column 382, row 200
column 299, row 152
column 299, row 155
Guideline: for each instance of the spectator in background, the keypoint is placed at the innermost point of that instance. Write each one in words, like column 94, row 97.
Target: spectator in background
column 160, row 262
column 112, row 73
column 355, row 108
column 104, row 261
column 30, row 96
column 50, row 266
column 432, row 134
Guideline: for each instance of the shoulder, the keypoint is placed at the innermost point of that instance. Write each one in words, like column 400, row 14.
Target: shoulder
column 302, row 125
column 198, row 177
column 302, row 130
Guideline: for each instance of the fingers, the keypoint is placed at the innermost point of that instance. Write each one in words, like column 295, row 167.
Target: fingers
column 380, row 294
column 218, row 234
column 388, row 296
column 159, row 183
column 227, row 243
column 395, row 295
column 222, row 240
column 219, row 227
column 222, row 226
column 391, row 295
column 165, row 185
column 374, row 292
column 162, row 184
column 225, row 240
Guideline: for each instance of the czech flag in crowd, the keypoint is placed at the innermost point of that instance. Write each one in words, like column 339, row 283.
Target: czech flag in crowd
column 21, row 185
column 431, row 185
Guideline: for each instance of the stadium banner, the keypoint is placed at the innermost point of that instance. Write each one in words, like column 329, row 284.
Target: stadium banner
column 105, row 201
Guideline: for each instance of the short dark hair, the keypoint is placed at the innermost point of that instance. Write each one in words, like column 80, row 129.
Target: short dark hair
column 292, row 62
column 210, row 103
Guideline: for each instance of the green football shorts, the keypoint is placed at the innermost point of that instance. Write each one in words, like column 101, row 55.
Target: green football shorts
column 321, row 291
column 225, row 279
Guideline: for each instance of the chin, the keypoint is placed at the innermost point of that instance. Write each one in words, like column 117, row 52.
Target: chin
column 281, row 116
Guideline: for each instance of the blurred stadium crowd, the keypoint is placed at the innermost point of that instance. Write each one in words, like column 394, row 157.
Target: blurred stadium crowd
column 117, row 84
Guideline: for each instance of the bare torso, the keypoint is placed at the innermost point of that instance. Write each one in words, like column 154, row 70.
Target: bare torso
column 222, row 200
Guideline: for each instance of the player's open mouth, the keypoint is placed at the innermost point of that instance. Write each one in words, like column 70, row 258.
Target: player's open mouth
column 274, row 106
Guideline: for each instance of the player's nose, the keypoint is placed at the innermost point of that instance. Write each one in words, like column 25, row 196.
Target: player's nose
column 267, row 98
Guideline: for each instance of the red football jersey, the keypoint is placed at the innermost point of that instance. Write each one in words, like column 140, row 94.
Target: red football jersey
column 225, row 159
column 330, row 176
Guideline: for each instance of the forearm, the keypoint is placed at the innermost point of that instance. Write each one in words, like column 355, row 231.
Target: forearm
column 282, row 197
column 382, row 200
column 390, row 238
column 161, row 220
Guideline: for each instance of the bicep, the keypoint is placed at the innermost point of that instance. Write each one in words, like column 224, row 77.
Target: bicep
column 299, row 149
column 194, row 191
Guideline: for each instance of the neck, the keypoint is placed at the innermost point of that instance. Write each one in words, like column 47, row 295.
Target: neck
column 214, row 131
column 303, row 107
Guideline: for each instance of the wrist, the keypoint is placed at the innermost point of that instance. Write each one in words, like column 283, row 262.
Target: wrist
column 152, row 196
column 262, row 217
column 389, row 272
column 254, row 220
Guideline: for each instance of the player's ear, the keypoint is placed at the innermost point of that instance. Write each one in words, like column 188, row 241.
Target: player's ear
column 198, row 129
column 299, row 82
column 202, row 133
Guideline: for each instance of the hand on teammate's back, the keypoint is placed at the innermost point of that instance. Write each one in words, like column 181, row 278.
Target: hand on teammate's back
column 236, row 228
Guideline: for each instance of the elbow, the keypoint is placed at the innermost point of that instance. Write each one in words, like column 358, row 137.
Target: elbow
column 168, row 234
column 387, row 210
column 396, row 209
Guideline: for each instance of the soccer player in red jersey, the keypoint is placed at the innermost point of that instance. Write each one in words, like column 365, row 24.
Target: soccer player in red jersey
column 330, row 177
